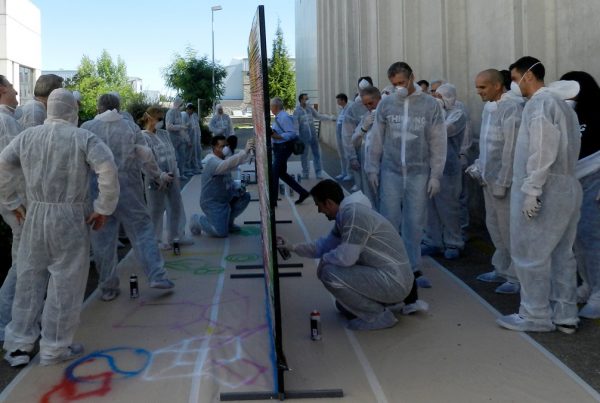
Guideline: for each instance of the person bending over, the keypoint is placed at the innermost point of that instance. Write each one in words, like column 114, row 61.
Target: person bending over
column 363, row 261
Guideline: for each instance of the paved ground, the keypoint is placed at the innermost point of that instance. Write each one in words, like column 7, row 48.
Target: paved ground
column 579, row 351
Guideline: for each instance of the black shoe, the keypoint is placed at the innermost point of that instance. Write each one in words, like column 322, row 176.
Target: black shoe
column 302, row 198
column 349, row 315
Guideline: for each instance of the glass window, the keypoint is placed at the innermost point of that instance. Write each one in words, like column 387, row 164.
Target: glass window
column 26, row 83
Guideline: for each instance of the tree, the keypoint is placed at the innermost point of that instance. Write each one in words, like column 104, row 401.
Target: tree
column 192, row 78
column 282, row 78
column 96, row 78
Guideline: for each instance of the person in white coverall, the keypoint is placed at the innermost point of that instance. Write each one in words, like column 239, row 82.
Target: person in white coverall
column 406, row 158
column 544, row 205
column 500, row 121
column 132, row 155
column 9, row 128
column 57, row 160
column 33, row 112
column 363, row 262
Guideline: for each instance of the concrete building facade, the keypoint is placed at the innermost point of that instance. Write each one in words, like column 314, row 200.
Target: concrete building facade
column 20, row 45
column 449, row 39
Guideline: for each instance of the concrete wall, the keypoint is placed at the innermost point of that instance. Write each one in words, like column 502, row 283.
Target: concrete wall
column 20, row 39
column 306, row 49
column 450, row 39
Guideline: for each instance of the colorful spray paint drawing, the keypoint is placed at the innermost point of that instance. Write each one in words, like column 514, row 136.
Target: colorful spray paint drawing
column 196, row 266
column 113, row 364
column 242, row 257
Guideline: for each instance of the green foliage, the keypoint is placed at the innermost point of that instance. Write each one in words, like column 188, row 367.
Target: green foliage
column 137, row 108
column 282, row 78
column 191, row 76
column 96, row 78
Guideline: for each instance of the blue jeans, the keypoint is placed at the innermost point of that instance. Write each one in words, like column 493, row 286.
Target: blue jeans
column 219, row 218
column 313, row 143
column 587, row 244
column 281, row 153
column 404, row 204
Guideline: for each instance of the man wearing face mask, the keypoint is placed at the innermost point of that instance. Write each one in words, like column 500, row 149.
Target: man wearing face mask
column 443, row 232
column 178, row 132
column 544, row 205
column 500, row 121
column 406, row 158
column 343, row 105
column 370, row 98
column 305, row 116
column 352, row 118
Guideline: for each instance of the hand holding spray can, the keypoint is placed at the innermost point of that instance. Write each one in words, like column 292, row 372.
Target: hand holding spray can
column 315, row 325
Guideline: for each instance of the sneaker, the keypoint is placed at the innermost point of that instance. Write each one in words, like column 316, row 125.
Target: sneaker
column 423, row 282
column 349, row 315
column 354, row 188
column 109, row 295
column 340, row 177
column 417, row 306
column 73, row 351
column 508, row 288
column 491, row 277
column 566, row 329
column 164, row 284
column 383, row 321
column 302, row 198
column 516, row 322
column 590, row 311
column 234, row 228
column 430, row 250
column 17, row 358
column 195, row 227
column 451, row 253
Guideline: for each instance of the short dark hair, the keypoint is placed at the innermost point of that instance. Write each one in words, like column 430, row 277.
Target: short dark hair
column 368, row 78
column 300, row 96
column 215, row 140
column 342, row 96
column 506, row 76
column 232, row 141
column 108, row 102
column 327, row 189
column 423, row 82
column 399, row 67
column 372, row 92
column 525, row 63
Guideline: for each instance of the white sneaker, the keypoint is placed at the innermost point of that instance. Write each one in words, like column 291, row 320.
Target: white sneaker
column 508, row 288
column 417, row 306
column 491, row 277
column 73, row 351
column 354, row 189
column 164, row 284
column 516, row 322
column 348, row 178
column 340, row 177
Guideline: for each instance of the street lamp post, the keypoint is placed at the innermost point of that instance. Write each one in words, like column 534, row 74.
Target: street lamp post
column 213, row 9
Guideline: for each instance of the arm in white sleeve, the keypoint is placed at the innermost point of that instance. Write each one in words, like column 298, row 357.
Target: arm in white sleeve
column 231, row 162
column 438, row 142
column 455, row 121
column 358, row 135
column 348, row 127
column 100, row 159
column 145, row 155
column 317, row 115
column 544, row 141
column 10, row 169
column 374, row 151
column 510, row 128
column 352, row 241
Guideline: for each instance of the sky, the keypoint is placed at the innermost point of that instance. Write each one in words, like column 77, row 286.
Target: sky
column 147, row 34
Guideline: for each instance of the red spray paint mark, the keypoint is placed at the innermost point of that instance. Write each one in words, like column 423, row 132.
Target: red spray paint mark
column 68, row 391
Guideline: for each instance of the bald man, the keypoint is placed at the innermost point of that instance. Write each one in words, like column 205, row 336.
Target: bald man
column 500, row 123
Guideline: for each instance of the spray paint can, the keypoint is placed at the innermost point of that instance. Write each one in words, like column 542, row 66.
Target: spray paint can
column 315, row 325
column 282, row 189
column 134, row 291
column 299, row 178
column 176, row 249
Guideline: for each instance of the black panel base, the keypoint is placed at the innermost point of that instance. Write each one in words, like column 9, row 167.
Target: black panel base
column 292, row 394
column 262, row 275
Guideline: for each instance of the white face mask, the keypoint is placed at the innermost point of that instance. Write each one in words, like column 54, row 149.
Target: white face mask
column 402, row 91
column 158, row 125
column 571, row 103
column 514, row 87
column 358, row 99
column 490, row 107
